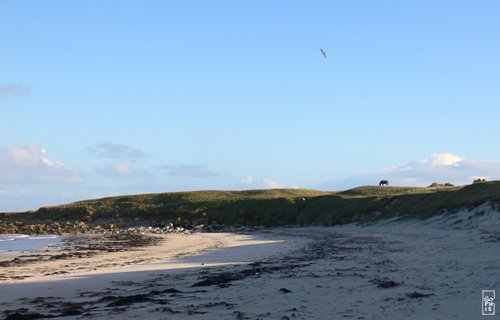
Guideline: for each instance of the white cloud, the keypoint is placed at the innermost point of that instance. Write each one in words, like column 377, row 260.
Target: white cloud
column 446, row 167
column 192, row 171
column 31, row 164
column 444, row 159
column 249, row 182
column 439, row 167
column 117, row 151
column 13, row 90
column 271, row 184
column 120, row 170
column 246, row 180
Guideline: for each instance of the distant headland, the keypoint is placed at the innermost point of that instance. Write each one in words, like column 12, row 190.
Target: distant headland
column 273, row 207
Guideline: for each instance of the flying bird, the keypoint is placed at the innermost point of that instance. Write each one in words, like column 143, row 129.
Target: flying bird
column 323, row 53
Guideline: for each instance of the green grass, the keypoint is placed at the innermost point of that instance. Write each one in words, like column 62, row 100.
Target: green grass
column 268, row 207
column 376, row 191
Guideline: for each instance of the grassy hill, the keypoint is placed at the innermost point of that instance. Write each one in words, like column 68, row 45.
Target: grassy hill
column 266, row 207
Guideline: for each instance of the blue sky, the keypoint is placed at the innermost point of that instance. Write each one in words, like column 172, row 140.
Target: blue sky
column 100, row 98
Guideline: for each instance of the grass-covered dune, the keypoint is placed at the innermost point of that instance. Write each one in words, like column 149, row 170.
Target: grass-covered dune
column 266, row 207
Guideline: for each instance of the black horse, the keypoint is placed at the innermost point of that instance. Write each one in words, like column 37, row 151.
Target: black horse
column 383, row 183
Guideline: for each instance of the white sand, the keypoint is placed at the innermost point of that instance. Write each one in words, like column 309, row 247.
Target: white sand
column 162, row 257
column 178, row 252
column 450, row 258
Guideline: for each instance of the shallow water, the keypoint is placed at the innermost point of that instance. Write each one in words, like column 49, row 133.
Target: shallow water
column 23, row 242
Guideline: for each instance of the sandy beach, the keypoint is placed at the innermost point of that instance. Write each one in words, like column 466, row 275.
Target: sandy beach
column 86, row 255
column 430, row 269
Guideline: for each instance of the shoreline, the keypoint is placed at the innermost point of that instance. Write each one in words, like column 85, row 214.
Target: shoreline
column 90, row 254
column 187, row 254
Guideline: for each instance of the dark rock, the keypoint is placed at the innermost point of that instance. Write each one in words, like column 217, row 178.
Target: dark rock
column 240, row 315
column 107, row 299
column 72, row 311
column 171, row 290
column 168, row 309
column 415, row 295
column 285, row 290
column 26, row 316
column 128, row 300
column 388, row 284
column 222, row 279
column 385, row 283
